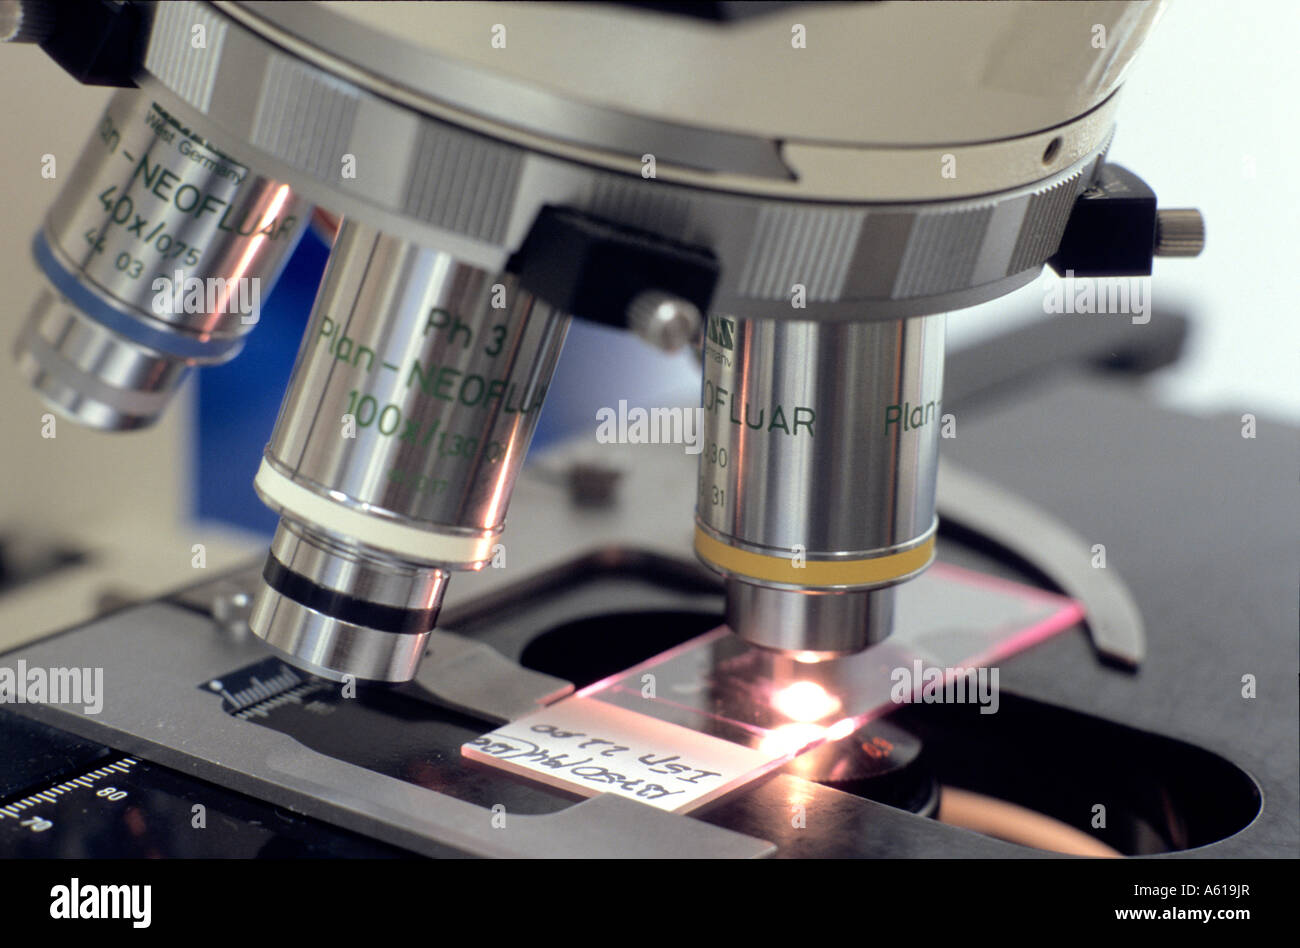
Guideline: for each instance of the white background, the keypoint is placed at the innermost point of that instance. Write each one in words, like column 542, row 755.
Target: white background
column 1214, row 93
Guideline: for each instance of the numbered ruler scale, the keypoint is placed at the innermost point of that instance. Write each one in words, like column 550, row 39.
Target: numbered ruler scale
column 34, row 812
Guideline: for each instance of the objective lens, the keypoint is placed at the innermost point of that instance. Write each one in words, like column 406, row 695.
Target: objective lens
column 817, row 479
column 158, row 253
column 410, row 409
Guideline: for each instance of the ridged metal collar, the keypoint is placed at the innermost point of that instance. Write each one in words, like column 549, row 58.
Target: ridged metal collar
column 475, row 195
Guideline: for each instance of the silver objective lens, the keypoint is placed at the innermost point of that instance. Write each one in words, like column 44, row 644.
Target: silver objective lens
column 157, row 255
column 410, row 409
column 817, row 477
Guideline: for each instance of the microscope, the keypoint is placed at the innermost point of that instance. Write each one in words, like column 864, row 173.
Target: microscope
column 799, row 193
column 490, row 195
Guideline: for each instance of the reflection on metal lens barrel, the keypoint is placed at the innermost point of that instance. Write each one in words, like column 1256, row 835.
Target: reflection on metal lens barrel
column 157, row 256
column 410, row 409
column 817, row 477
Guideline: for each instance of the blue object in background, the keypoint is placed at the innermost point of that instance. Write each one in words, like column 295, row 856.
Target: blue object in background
column 600, row 366
column 238, row 402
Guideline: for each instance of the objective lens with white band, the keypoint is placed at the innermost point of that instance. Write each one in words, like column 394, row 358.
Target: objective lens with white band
column 415, row 394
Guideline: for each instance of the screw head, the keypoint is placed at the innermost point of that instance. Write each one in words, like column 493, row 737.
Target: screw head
column 665, row 321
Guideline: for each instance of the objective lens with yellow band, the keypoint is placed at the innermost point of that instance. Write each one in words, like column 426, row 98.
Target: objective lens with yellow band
column 797, row 570
column 821, row 442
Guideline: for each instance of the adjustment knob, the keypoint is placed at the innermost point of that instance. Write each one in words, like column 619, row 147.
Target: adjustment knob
column 25, row 21
column 1180, row 232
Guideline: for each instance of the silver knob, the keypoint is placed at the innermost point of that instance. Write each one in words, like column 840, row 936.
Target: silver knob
column 665, row 321
column 230, row 607
column 25, row 21
column 1180, row 232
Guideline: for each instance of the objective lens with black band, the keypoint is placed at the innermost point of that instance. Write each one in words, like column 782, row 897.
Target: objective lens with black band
column 415, row 394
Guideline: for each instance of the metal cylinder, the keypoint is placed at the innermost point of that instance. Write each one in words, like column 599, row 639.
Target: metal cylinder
column 817, row 476
column 323, row 603
column 158, row 254
column 415, row 394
